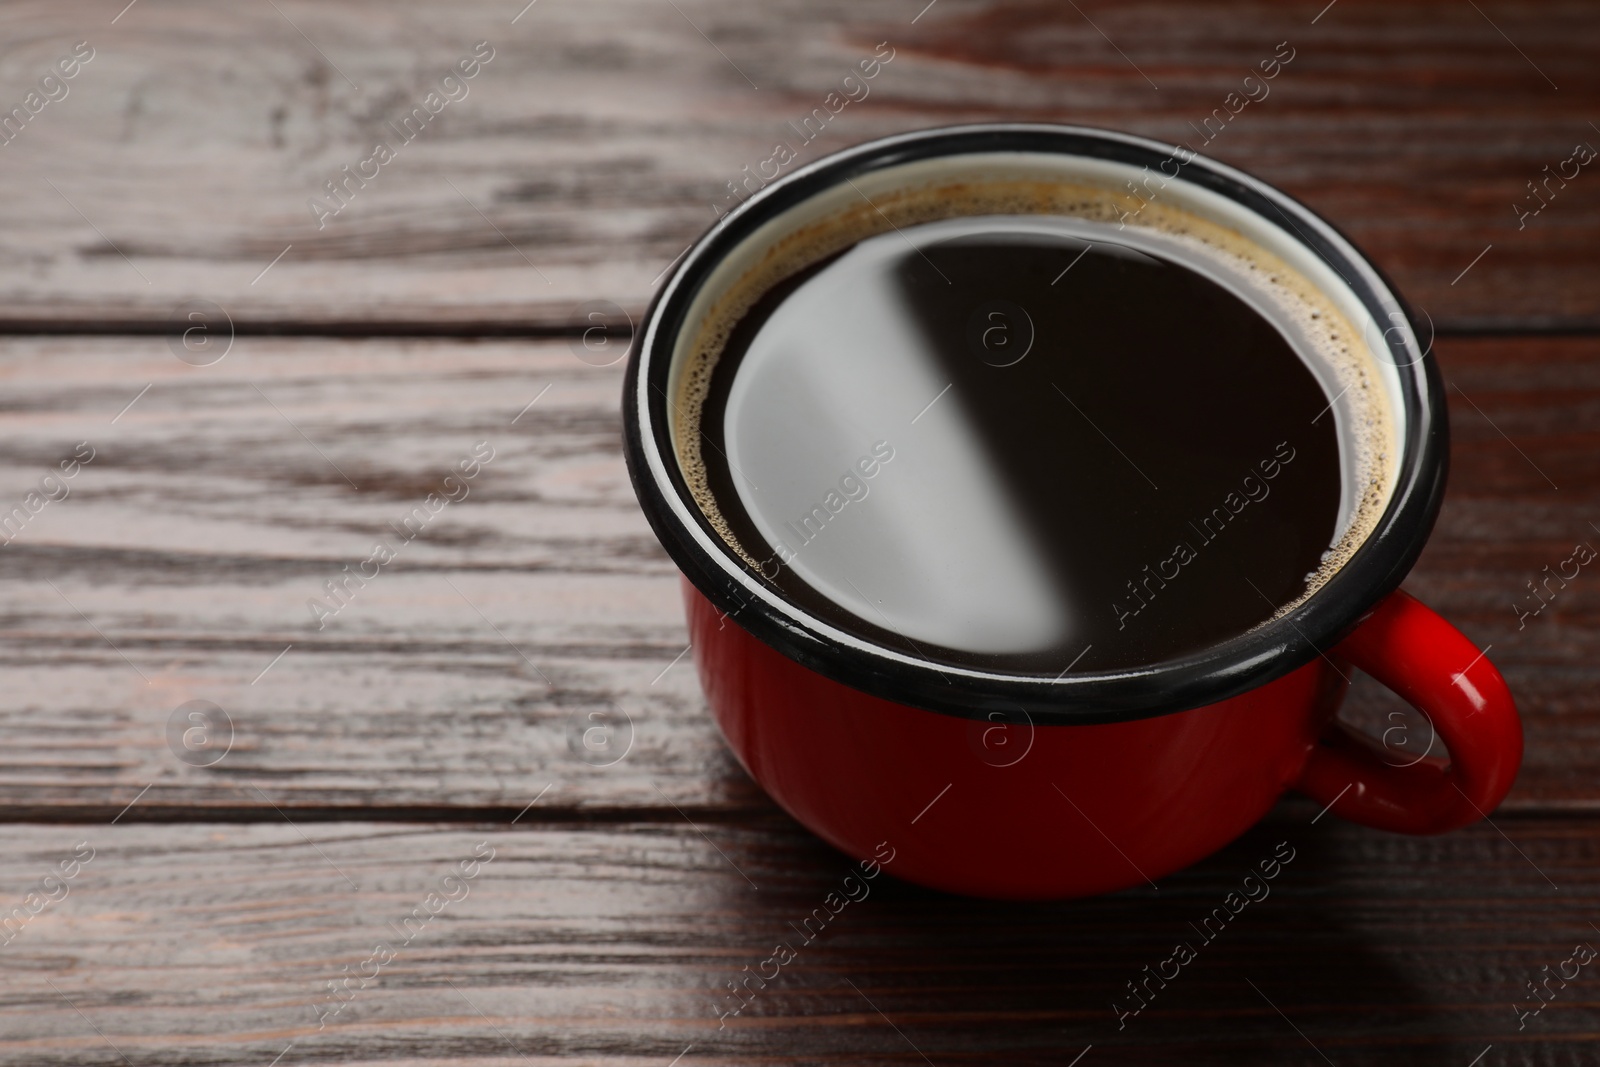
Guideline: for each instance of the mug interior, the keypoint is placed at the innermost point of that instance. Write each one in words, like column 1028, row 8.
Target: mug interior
column 1101, row 181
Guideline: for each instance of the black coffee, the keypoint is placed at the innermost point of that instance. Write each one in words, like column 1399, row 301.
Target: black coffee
column 985, row 443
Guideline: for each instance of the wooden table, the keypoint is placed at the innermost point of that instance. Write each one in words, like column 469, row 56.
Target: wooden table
column 196, row 895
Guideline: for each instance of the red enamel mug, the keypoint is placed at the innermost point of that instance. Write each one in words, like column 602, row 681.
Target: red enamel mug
column 1018, row 786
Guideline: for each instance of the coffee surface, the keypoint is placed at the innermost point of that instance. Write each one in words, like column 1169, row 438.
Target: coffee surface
column 985, row 443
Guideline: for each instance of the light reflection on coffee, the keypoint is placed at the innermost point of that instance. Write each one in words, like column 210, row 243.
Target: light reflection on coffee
column 1078, row 438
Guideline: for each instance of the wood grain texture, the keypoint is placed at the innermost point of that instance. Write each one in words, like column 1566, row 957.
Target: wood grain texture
column 466, row 673
column 193, row 541
column 207, row 944
column 512, row 677
column 594, row 146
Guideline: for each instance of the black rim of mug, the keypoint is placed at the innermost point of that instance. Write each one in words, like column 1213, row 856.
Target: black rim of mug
column 1235, row 666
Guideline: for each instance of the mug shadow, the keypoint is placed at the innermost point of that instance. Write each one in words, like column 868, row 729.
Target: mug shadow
column 1302, row 973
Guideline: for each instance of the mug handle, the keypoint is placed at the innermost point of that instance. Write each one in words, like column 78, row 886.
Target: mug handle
column 1437, row 670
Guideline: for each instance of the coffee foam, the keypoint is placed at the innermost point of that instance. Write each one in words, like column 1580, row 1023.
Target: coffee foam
column 1365, row 403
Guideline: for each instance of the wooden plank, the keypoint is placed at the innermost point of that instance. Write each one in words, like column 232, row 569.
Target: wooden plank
column 466, row 673
column 206, row 521
column 215, row 944
column 600, row 139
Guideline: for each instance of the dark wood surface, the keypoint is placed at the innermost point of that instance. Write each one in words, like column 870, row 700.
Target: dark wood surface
column 428, row 716
column 580, row 943
column 597, row 140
